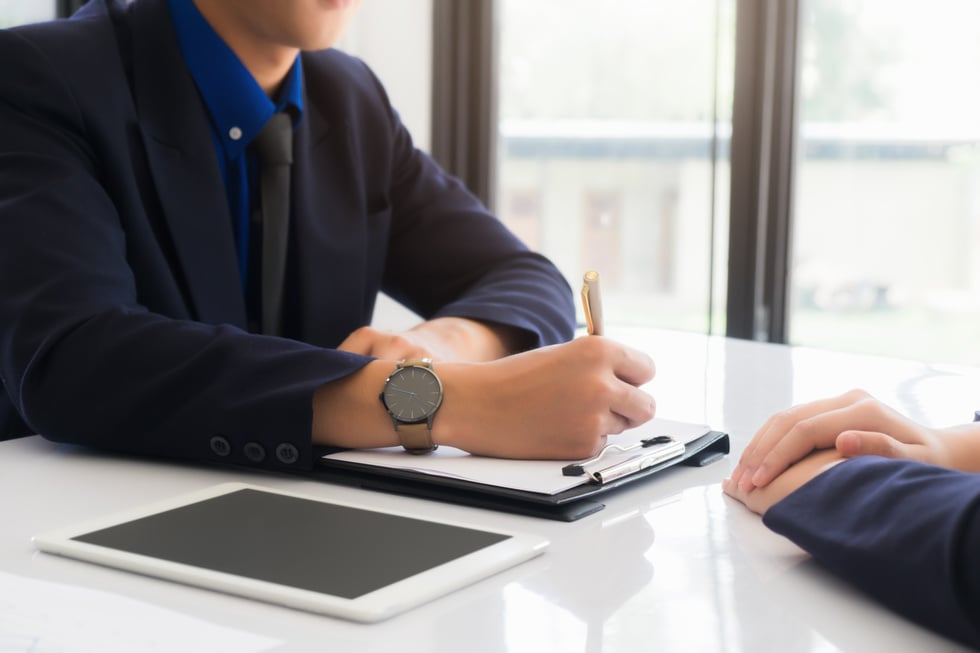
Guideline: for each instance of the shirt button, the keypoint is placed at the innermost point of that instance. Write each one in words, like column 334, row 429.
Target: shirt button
column 235, row 133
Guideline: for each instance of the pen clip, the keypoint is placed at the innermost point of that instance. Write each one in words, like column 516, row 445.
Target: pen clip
column 638, row 463
column 589, row 324
column 578, row 469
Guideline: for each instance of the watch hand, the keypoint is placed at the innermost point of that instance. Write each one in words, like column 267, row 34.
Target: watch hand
column 404, row 392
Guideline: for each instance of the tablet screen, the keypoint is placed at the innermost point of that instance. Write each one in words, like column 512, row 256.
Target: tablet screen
column 308, row 544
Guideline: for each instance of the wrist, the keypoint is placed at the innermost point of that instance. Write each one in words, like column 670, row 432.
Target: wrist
column 454, row 424
column 961, row 447
column 412, row 395
column 347, row 413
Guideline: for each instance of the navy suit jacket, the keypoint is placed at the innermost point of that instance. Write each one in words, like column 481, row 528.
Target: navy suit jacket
column 122, row 317
column 906, row 533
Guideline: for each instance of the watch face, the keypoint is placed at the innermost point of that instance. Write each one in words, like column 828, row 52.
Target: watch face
column 412, row 394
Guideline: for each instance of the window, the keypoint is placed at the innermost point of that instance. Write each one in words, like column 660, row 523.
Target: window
column 886, row 232
column 859, row 230
column 611, row 156
column 19, row 12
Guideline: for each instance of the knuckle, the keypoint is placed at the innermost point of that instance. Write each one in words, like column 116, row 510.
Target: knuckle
column 872, row 408
column 804, row 429
column 594, row 425
column 784, row 419
column 856, row 395
column 593, row 350
column 360, row 332
column 396, row 339
column 603, row 388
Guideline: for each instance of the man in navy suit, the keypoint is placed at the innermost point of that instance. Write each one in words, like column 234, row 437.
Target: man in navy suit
column 128, row 309
column 886, row 503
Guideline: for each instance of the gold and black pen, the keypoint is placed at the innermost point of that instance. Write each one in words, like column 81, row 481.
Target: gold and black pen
column 592, row 303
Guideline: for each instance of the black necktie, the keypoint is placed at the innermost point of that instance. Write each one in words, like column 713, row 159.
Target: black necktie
column 274, row 146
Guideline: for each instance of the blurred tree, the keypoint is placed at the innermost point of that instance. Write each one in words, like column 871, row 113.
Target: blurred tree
column 842, row 64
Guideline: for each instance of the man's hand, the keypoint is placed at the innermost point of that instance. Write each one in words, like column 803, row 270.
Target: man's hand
column 442, row 339
column 391, row 345
column 556, row 402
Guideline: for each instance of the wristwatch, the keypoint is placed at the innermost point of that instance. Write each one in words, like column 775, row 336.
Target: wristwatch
column 412, row 395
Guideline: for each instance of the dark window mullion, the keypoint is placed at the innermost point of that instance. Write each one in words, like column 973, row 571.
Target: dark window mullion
column 762, row 163
column 68, row 7
column 464, row 93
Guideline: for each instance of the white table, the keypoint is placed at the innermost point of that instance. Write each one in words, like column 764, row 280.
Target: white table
column 668, row 565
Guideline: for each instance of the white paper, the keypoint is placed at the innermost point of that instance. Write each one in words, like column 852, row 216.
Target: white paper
column 541, row 476
column 44, row 617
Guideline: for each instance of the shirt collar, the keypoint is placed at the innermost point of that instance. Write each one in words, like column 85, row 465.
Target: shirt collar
column 237, row 105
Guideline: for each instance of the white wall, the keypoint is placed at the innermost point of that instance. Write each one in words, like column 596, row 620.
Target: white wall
column 394, row 37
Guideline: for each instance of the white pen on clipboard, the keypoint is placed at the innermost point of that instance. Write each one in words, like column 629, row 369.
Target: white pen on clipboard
column 651, row 451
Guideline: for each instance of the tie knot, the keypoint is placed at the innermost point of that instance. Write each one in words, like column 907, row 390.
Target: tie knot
column 274, row 144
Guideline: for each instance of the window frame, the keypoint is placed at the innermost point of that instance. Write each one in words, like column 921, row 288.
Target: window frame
column 762, row 151
column 68, row 7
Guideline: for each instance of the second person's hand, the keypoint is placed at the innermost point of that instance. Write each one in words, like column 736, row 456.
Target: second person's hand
column 854, row 423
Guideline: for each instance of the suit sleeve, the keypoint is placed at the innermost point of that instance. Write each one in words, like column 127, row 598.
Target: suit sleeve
column 906, row 533
column 82, row 358
column 449, row 256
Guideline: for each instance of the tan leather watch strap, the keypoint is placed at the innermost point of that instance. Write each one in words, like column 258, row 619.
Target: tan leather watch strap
column 415, row 438
column 414, row 434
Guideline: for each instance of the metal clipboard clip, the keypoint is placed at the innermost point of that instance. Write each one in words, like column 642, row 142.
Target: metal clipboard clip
column 649, row 452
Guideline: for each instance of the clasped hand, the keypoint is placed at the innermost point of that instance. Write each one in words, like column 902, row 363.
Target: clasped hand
column 797, row 444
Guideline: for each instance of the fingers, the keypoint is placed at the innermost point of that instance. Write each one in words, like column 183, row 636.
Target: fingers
column 746, row 497
column 872, row 443
column 789, row 435
column 778, row 424
column 754, row 499
column 732, row 489
column 875, row 429
column 807, row 435
column 363, row 341
column 635, row 367
column 630, row 405
column 634, row 408
column 369, row 341
column 760, row 499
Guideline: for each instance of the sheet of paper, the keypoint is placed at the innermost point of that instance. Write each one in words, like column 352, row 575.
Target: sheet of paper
column 41, row 616
column 541, row 476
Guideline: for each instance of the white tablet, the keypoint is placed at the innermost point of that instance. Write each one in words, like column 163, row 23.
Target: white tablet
column 332, row 558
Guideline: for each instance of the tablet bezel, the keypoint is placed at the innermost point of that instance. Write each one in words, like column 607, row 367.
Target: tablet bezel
column 374, row 606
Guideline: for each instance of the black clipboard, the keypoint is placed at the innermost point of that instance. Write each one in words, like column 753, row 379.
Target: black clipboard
column 568, row 505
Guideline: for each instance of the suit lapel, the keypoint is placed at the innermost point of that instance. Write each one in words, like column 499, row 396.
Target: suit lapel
column 184, row 165
column 328, row 246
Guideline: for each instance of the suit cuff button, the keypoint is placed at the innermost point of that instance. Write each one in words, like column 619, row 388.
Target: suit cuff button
column 287, row 453
column 255, row 452
column 220, row 446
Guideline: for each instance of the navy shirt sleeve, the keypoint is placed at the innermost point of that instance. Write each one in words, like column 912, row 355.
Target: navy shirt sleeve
column 906, row 533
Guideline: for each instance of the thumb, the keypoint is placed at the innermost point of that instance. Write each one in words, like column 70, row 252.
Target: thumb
column 869, row 443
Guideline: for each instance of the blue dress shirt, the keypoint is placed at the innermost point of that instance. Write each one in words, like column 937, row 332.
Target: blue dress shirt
column 238, row 109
